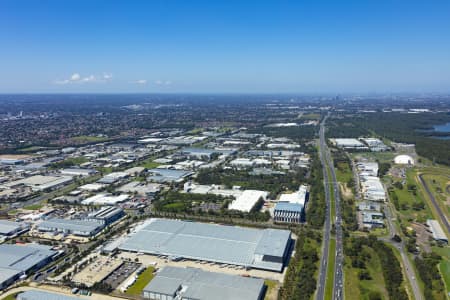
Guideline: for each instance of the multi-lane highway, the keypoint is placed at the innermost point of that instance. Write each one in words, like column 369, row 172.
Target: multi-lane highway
column 327, row 226
column 330, row 178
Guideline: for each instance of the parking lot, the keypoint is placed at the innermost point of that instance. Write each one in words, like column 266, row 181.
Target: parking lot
column 121, row 273
column 160, row 261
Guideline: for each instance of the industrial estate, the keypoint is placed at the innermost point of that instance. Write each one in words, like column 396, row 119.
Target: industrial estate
column 304, row 203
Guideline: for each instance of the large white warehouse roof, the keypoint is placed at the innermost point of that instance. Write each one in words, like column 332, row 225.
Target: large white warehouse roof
column 404, row 160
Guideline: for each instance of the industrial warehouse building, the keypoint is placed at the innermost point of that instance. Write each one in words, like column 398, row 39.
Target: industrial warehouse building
column 106, row 215
column 290, row 207
column 16, row 261
column 192, row 283
column 85, row 228
column 266, row 249
column 43, row 295
column 404, row 160
column 168, row 175
column 437, row 231
column 10, row 228
column 288, row 212
column 41, row 182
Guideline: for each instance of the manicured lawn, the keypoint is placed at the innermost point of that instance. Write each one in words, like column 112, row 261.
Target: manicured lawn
column 330, row 269
column 141, row 282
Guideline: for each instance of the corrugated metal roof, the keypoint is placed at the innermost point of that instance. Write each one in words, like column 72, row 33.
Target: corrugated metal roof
column 199, row 284
column 24, row 257
column 8, row 226
column 289, row 206
column 210, row 242
column 42, row 295
column 72, row 225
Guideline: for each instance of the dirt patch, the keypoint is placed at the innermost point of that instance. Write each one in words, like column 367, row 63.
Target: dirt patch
column 346, row 192
column 423, row 236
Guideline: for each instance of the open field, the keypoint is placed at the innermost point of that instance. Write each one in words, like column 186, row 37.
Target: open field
column 380, row 156
column 356, row 288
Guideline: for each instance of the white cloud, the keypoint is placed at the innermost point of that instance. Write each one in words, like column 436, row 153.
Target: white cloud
column 107, row 76
column 77, row 78
column 65, row 81
column 141, row 81
column 163, row 82
column 90, row 78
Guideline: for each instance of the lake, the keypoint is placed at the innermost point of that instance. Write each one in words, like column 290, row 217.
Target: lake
column 442, row 128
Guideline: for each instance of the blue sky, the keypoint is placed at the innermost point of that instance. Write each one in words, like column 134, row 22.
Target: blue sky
column 224, row 46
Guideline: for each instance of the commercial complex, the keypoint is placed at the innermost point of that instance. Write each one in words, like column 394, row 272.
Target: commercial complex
column 192, row 283
column 266, row 249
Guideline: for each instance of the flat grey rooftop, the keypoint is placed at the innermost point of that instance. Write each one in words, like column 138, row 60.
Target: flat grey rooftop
column 23, row 257
column 193, row 283
column 72, row 225
column 8, row 226
column 43, row 295
column 210, row 242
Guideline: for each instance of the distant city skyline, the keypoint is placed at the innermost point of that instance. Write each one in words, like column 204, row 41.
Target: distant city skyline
column 224, row 46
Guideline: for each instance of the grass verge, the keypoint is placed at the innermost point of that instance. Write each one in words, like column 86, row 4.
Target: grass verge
column 330, row 269
column 141, row 282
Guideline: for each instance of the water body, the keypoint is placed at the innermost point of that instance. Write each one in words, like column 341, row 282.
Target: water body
column 442, row 128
